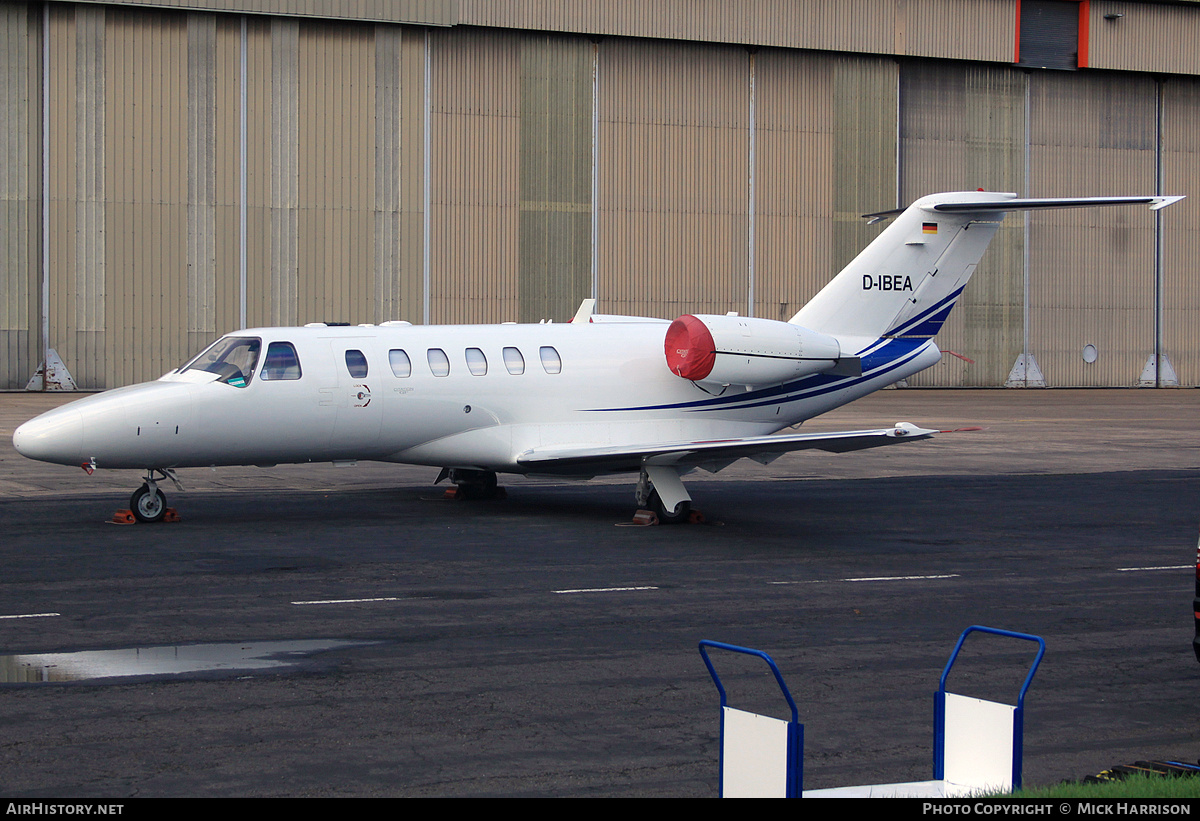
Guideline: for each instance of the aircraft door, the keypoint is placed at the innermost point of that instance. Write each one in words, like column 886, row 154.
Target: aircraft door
column 357, row 398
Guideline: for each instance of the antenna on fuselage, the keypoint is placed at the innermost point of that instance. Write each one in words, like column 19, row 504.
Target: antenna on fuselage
column 586, row 309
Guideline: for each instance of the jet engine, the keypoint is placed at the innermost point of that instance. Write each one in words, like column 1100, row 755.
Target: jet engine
column 739, row 350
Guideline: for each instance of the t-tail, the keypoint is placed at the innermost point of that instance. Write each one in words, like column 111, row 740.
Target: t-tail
column 906, row 282
column 872, row 323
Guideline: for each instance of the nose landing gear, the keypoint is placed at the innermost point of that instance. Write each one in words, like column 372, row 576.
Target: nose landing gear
column 148, row 503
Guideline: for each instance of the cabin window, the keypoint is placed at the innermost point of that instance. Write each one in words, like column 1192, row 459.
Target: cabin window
column 476, row 362
column 281, row 362
column 551, row 361
column 356, row 363
column 401, row 364
column 439, row 363
column 232, row 358
column 514, row 361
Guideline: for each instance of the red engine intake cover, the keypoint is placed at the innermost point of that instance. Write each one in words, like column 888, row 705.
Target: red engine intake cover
column 691, row 352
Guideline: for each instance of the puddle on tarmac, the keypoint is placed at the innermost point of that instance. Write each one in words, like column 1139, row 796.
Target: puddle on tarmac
column 87, row 665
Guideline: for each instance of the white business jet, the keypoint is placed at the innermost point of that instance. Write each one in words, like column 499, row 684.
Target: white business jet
column 599, row 395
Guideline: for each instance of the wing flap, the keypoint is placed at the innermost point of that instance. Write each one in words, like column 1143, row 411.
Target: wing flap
column 709, row 454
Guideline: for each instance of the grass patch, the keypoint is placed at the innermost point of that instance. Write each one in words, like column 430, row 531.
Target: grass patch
column 1134, row 786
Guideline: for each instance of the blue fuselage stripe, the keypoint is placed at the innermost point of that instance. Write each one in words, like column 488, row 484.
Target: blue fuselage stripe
column 912, row 326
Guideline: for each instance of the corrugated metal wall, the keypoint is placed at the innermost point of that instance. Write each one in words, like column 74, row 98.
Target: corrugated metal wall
column 145, row 182
column 963, row 128
column 1091, row 270
column 954, row 29
column 865, row 170
column 335, row 157
column 672, row 178
column 145, row 186
column 399, row 175
column 1181, row 227
column 474, row 164
column 1158, row 38
column 204, row 89
column 422, row 12
column 362, row 137
column 554, row 268
column 825, row 153
column 20, row 193
column 1147, row 37
column 334, row 172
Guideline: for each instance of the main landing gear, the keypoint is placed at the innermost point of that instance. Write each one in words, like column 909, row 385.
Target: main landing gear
column 472, row 484
column 148, row 503
column 660, row 490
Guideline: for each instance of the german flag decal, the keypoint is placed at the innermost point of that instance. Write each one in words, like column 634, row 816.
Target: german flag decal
column 929, row 228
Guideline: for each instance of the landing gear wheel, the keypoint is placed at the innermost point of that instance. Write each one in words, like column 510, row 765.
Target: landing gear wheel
column 678, row 515
column 148, row 505
column 476, row 484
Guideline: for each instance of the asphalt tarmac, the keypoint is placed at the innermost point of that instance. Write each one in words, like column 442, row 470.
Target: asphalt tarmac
column 537, row 646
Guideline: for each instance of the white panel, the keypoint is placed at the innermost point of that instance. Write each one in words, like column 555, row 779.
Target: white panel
column 754, row 756
column 908, row 789
column 979, row 743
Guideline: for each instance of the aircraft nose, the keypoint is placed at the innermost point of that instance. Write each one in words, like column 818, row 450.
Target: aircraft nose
column 56, row 436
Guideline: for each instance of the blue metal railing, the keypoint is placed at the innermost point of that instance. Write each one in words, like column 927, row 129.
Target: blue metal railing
column 939, row 711
column 795, row 730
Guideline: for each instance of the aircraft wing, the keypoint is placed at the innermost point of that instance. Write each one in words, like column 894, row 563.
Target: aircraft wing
column 711, row 455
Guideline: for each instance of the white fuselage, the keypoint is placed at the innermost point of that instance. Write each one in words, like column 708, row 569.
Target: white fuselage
column 611, row 385
column 597, row 395
column 601, row 394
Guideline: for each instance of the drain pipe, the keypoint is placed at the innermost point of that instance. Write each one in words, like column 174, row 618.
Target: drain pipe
column 45, row 302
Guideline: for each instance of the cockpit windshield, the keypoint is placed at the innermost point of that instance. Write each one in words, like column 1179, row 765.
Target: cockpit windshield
column 232, row 358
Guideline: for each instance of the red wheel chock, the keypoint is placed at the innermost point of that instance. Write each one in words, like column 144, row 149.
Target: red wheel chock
column 124, row 517
column 645, row 518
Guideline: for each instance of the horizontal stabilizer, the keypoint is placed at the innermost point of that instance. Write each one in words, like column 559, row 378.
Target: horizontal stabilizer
column 1155, row 203
column 1012, row 203
column 606, row 459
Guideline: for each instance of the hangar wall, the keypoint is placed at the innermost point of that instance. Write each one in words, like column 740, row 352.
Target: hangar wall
column 505, row 160
column 963, row 127
column 20, row 181
column 1181, row 172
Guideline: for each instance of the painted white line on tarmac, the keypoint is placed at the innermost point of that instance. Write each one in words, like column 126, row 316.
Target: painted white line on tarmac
column 902, row 578
column 602, row 590
column 875, row 579
column 31, row 616
column 1164, row 567
column 362, row 601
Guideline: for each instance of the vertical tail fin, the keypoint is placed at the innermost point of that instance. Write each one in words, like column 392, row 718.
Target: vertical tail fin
column 906, row 282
